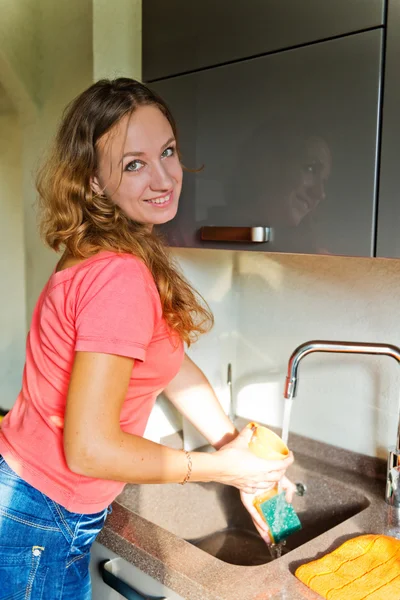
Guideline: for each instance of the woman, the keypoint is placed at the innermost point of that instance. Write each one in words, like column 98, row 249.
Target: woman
column 107, row 336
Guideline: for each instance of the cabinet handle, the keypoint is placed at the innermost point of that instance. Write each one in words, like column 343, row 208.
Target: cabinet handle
column 120, row 586
column 236, row 234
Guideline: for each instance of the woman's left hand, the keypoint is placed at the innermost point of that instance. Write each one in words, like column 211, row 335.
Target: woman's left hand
column 258, row 521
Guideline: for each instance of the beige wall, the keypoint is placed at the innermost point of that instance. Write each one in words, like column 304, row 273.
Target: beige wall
column 19, row 42
column 65, row 31
column 348, row 401
column 117, row 39
column 12, row 268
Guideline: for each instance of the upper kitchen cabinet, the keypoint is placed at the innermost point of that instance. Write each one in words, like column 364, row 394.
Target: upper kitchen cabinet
column 286, row 141
column 183, row 36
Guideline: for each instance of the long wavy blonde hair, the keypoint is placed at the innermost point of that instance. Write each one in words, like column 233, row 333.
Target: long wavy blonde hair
column 74, row 218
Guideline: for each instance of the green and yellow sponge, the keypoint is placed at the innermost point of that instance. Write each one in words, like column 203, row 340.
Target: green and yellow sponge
column 280, row 517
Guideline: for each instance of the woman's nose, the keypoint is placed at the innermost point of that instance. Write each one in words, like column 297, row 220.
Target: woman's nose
column 161, row 179
column 317, row 190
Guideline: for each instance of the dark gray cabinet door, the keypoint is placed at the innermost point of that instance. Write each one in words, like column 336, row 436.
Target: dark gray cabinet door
column 183, row 35
column 287, row 141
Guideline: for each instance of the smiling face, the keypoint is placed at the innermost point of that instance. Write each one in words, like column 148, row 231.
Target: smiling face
column 139, row 168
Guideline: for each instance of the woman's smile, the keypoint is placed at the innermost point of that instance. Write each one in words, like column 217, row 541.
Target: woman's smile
column 161, row 201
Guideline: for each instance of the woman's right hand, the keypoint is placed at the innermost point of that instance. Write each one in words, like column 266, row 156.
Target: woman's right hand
column 239, row 467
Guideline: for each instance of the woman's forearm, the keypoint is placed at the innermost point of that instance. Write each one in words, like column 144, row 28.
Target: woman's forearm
column 133, row 459
column 191, row 393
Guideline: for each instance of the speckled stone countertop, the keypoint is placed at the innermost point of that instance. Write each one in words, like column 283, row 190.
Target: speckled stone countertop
column 196, row 575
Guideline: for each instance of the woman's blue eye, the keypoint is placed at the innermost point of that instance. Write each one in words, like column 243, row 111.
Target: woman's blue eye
column 168, row 152
column 134, row 166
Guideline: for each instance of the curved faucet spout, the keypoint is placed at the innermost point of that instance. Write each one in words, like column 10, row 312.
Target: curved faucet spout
column 329, row 346
column 393, row 479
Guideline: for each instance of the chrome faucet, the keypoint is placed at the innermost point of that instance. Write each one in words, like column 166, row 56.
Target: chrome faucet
column 392, row 494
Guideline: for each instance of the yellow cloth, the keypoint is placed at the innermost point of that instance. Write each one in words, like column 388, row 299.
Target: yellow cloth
column 365, row 567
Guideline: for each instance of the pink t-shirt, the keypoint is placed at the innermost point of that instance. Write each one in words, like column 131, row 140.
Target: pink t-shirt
column 109, row 303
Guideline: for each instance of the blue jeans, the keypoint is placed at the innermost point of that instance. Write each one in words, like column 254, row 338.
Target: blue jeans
column 44, row 548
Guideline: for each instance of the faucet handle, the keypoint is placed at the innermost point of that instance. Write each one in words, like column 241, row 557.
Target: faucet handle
column 393, row 478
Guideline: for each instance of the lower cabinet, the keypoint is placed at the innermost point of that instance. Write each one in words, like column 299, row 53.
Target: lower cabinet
column 123, row 580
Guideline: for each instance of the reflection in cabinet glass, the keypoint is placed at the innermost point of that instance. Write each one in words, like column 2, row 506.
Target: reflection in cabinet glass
column 286, row 141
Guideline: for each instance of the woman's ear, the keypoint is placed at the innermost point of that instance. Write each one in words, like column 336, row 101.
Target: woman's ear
column 96, row 187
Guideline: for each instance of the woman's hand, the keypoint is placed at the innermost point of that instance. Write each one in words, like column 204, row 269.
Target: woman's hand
column 239, row 467
column 258, row 521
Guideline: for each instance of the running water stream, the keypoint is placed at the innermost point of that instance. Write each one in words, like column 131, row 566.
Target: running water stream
column 287, row 410
column 276, row 550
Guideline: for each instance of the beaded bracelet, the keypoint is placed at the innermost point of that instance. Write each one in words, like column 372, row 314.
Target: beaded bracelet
column 189, row 471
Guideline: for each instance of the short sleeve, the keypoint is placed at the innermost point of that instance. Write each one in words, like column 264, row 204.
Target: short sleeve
column 115, row 309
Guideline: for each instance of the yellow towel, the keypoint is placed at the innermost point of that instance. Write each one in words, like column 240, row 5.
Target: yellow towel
column 365, row 567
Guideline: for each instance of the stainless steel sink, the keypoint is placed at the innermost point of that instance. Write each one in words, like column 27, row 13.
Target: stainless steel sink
column 212, row 517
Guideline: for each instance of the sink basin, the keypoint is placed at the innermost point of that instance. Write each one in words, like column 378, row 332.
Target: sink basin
column 212, row 517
